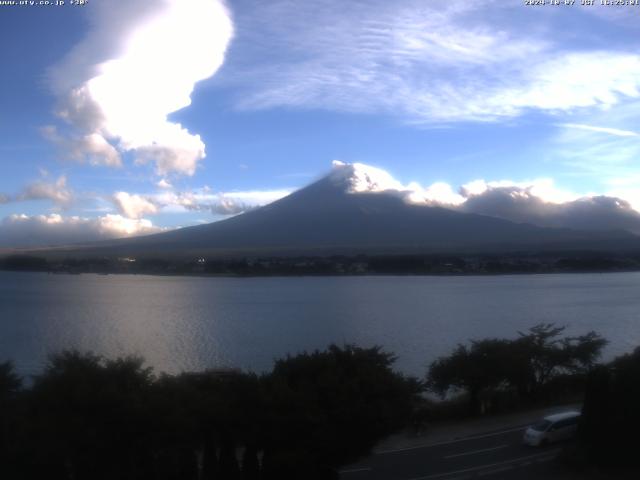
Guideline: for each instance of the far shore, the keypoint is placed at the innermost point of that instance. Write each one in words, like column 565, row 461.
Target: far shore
column 330, row 265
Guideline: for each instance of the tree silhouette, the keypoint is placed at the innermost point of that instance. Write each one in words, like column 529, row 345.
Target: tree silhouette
column 10, row 389
column 88, row 417
column 525, row 364
column 610, row 417
column 546, row 355
column 329, row 408
column 481, row 366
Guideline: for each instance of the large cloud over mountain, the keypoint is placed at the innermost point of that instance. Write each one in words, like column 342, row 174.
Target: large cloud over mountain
column 518, row 204
column 537, row 202
column 139, row 63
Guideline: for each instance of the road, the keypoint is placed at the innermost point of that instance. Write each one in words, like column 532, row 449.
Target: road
column 498, row 454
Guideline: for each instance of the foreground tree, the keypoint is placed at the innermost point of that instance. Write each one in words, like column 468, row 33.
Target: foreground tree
column 10, row 383
column 329, row 408
column 611, row 415
column 524, row 365
column 542, row 354
column 87, row 418
column 10, row 389
column 473, row 369
column 203, row 419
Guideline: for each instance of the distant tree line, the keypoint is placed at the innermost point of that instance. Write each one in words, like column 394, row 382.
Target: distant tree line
column 414, row 264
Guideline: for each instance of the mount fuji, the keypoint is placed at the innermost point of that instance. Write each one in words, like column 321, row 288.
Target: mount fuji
column 359, row 209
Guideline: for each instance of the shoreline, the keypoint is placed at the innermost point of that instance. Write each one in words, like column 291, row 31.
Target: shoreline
column 332, row 274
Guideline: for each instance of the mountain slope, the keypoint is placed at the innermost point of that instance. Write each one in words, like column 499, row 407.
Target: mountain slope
column 352, row 211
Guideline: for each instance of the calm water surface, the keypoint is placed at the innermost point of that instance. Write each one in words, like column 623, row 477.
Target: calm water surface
column 188, row 323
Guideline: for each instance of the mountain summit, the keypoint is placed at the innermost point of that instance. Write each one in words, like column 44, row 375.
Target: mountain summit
column 361, row 209
column 361, row 178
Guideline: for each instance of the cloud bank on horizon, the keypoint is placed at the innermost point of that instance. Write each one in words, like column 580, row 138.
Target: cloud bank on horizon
column 536, row 202
column 54, row 229
column 22, row 230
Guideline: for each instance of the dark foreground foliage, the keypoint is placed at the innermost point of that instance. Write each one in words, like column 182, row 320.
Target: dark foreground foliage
column 537, row 365
column 86, row 417
column 610, row 422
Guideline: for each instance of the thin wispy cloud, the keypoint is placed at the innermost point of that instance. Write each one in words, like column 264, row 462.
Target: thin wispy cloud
column 425, row 62
column 600, row 145
column 610, row 131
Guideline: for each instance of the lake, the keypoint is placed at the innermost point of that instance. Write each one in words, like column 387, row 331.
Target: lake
column 192, row 323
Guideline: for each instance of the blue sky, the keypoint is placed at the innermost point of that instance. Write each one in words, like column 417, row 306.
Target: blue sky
column 125, row 117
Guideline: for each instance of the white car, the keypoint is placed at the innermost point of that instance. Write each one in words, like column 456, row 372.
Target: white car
column 553, row 428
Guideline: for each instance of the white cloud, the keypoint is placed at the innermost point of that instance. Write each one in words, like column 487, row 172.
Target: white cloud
column 610, row 131
column 578, row 79
column 164, row 183
column 42, row 230
column 91, row 148
column 136, row 206
column 115, row 226
column 133, row 206
column 426, row 62
column 257, row 197
column 219, row 203
column 586, row 213
column 538, row 202
column 143, row 65
column 361, row 178
column 56, row 191
column 438, row 193
column 542, row 188
column 364, row 178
